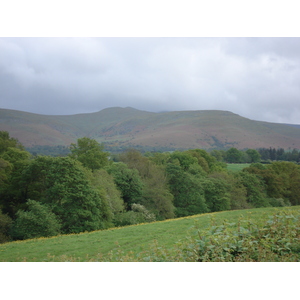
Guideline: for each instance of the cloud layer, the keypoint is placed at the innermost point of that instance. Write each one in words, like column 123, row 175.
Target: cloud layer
column 258, row 78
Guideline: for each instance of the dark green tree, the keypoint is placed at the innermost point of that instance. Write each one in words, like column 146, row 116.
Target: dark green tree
column 216, row 192
column 233, row 155
column 90, row 153
column 156, row 196
column 13, row 162
column 218, row 154
column 229, row 187
column 63, row 184
column 187, row 191
column 287, row 176
column 128, row 182
column 253, row 155
column 37, row 221
column 8, row 142
column 208, row 162
column 186, row 159
column 104, row 182
column 256, row 189
column 5, row 224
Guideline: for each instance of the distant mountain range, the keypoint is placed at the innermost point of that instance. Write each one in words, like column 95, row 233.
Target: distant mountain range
column 129, row 127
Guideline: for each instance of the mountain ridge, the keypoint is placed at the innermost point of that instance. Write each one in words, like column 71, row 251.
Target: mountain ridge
column 130, row 127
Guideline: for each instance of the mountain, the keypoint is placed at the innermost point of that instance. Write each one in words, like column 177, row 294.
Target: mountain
column 129, row 127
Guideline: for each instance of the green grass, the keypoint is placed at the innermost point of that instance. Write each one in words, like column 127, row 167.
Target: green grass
column 137, row 238
column 236, row 167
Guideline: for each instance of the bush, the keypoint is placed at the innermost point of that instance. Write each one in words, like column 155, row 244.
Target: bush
column 37, row 221
column 277, row 240
column 138, row 214
column 5, row 223
column 279, row 202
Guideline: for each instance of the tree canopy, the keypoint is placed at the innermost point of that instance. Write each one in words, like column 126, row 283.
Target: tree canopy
column 90, row 153
column 88, row 190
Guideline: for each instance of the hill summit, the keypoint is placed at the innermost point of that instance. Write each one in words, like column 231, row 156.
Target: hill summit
column 129, row 127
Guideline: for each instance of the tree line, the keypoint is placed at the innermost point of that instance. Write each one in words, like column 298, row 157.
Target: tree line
column 234, row 155
column 279, row 154
column 231, row 155
column 91, row 189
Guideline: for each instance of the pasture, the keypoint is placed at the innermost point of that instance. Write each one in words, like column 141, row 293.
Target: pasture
column 236, row 167
column 114, row 244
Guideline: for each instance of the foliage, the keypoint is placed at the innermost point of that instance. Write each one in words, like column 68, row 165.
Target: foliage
column 253, row 155
column 205, row 159
column 279, row 154
column 128, row 182
column 233, row 155
column 187, row 191
column 256, row 189
column 37, row 221
column 86, row 191
column 90, row 153
column 237, row 191
column 63, row 184
column 277, row 240
column 5, row 223
column 218, row 154
column 138, row 214
column 155, row 196
column 13, row 161
column 281, row 179
column 216, row 193
column 8, row 142
column 278, row 202
column 185, row 160
column 105, row 182
column 58, row 150
column 5, row 169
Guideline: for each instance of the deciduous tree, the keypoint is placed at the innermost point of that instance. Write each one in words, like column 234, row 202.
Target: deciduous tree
column 187, row 191
column 63, row 184
column 90, row 153
column 36, row 221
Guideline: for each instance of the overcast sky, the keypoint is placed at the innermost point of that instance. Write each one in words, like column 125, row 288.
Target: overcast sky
column 258, row 78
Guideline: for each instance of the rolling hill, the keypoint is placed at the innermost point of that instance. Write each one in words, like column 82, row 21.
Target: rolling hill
column 129, row 127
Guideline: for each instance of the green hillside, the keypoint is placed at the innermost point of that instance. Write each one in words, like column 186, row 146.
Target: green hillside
column 128, row 127
column 126, row 243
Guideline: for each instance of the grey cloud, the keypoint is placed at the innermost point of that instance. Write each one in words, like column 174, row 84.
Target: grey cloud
column 258, row 78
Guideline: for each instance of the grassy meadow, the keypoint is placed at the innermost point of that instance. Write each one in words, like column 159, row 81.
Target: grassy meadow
column 237, row 167
column 114, row 244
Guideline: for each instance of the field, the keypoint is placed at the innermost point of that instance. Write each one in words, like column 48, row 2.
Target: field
column 236, row 167
column 115, row 243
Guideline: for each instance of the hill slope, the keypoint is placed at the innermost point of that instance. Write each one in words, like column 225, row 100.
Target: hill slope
column 90, row 245
column 130, row 127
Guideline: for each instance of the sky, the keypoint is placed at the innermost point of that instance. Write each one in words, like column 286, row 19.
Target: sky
column 255, row 77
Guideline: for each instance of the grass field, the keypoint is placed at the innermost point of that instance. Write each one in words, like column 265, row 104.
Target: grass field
column 90, row 246
column 236, row 167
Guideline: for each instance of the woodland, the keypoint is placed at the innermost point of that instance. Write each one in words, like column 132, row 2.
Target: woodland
column 91, row 189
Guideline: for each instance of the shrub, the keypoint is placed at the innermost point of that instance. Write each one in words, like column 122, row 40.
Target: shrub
column 138, row 214
column 37, row 221
column 279, row 202
column 276, row 240
column 5, row 223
